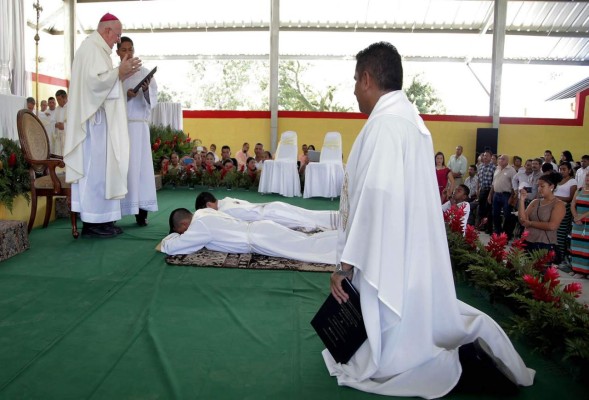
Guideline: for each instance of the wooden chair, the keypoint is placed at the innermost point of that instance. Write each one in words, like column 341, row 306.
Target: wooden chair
column 45, row 182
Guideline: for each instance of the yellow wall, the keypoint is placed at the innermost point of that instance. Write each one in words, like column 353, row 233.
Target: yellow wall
column 527, row 141
column 21, row 211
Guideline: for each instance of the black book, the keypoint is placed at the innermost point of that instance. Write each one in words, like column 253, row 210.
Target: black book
column 341, row 326
column 147, row 77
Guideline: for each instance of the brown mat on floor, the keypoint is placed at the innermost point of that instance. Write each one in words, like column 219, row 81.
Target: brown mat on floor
column 216, row 259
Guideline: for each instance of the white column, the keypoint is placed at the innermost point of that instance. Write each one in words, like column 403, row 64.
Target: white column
column 274, row 37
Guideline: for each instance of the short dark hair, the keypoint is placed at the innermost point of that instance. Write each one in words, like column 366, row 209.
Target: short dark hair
column 547, row 167
column 123, row 40
column 177, row 216
column 51, row 98
column 474, row 166
column 552, row 178
column 517, row 158
column 203, row 198
column 226, row 147
column 465, row 188
column 383, row 62
column 585, row 157
column 60, row 93
column 31, row 100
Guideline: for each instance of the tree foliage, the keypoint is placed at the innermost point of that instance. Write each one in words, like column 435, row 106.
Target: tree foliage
column 296, row 95
column 424, row 96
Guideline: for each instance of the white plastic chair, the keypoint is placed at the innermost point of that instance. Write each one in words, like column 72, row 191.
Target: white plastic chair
column 281, row 175
column 325, row 178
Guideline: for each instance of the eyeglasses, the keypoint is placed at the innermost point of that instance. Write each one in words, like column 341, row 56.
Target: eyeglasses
column 118, row 34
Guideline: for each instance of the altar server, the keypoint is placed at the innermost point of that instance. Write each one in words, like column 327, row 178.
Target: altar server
column 141, row 196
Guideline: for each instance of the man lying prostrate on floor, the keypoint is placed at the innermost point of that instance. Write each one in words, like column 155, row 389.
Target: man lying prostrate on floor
column 282, row 213
column 459, row 198
column 218, row 231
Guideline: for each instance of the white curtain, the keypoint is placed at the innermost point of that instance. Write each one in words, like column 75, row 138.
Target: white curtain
column 165, row 114
column 12, row 56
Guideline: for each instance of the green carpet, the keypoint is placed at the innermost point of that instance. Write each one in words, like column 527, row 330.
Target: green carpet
column 108, row 319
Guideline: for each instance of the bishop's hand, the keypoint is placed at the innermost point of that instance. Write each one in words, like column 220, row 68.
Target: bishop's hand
column 129, row 66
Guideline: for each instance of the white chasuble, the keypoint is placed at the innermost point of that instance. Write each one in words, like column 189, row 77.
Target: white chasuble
column 392, row 231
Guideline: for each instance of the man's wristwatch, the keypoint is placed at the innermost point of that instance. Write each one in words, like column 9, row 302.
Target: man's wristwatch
column 342, row 272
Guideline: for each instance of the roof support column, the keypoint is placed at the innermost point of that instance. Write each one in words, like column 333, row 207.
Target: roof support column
column 274, row 38
column 499, row 22
column 69, row 35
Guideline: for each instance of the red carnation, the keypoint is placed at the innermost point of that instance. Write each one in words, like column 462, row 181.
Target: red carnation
column 155, row 146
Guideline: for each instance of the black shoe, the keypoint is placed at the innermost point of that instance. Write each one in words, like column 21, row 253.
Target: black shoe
column 97, row 230
column 141, row 218
column 114, row 228
column 486, row 356
column 483, row 372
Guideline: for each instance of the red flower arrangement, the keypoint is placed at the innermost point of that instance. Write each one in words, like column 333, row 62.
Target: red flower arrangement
column 543, row 287
column 453, row 216
column 496, row 246
column 471, row 236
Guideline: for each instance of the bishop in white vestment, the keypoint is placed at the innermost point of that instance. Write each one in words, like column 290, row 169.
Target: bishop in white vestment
column 96, row 149
column 392, row 237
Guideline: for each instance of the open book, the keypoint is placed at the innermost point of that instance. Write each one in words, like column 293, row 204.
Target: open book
column 147, row 77
column 341, row 326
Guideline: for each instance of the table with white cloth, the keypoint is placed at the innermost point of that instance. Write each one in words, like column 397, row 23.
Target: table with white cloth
column 9, row 107
column 165, row 114
column 323, row 180
column 280, row 177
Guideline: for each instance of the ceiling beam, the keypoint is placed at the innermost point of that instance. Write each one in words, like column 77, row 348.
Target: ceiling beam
column 266, row 57
column 372, row 29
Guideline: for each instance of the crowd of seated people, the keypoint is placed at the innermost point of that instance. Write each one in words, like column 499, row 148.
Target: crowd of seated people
column 202, row 159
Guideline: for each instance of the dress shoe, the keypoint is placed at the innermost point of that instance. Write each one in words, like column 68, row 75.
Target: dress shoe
column 483, row 372
column 114, row 228
column 97, row 231
column 141, row 218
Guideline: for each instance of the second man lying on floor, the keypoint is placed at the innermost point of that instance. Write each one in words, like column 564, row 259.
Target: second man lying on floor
column 282, row 213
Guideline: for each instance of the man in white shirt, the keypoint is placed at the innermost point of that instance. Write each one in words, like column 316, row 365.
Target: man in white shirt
column 218, row 231
column 259, row 155
column 581, row 172
column 60, row 118
column 458, row 164
column 472, row 183
column 96, row 148
column 282, row 213
column 460, row 199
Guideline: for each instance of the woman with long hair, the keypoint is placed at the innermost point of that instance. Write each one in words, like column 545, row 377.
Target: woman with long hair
column 445, row 177
column 543, row 216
